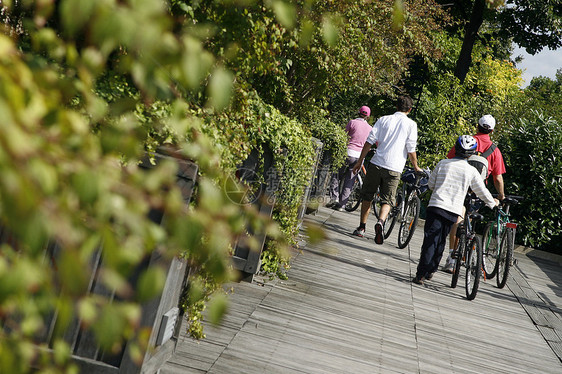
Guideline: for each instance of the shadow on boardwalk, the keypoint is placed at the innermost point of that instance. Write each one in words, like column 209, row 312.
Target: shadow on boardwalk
column 349, row 307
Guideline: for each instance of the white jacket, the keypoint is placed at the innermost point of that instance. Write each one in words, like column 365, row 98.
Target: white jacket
column 450, row 181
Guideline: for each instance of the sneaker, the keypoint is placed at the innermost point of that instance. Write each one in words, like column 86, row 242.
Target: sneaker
column 417, row 280
column 331, row 203
column 337, row 207
column 450, row 263
column 449, row 267
column 379, row 236
column 359, row 232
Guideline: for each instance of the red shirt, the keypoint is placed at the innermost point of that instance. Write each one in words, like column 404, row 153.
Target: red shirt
column 496, row 165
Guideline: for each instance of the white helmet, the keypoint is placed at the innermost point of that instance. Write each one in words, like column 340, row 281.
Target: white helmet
column 465, row 146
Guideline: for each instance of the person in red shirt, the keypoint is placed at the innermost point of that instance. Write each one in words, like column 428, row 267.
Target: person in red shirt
column 496, row 168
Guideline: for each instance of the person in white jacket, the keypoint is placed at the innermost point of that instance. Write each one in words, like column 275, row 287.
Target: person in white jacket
column 449, row 182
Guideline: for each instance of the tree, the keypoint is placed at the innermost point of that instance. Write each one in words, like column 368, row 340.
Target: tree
column 532, row 25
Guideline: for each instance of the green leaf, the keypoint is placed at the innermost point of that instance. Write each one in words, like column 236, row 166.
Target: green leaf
column 150, row 284
column 75, row 14
column 329, row 31
column 85, row 183
column 220, row 88
column 285, row 13
column 398, row 16
column 218, row 306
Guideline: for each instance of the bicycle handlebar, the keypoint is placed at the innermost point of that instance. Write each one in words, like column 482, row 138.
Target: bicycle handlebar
column 509, row 199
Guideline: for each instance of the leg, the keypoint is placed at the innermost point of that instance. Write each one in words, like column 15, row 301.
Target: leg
column 334, row 189
column 446, row 228
column 348, row 180
column 388, row 187
column 450, row 264
column 365, row 210
column 431, row 241
column 370, row 185
column 385, row 209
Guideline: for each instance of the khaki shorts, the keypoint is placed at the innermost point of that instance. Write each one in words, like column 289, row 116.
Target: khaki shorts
column 380, row 178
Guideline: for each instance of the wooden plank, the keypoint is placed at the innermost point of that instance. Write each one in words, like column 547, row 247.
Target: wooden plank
column 349, row 306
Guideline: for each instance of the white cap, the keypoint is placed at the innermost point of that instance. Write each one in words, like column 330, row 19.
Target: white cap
column 487, row 121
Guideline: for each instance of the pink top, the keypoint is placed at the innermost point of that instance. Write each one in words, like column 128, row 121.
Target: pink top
column 358, row 129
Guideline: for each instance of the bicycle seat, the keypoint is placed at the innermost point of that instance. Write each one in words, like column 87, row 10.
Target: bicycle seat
column 510, row 200
column 476, row 216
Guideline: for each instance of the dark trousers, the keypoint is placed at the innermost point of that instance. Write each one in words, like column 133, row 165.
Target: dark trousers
column 344, row 173
column 435, row 234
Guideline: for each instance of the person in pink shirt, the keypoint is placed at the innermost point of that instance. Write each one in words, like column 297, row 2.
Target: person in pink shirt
column 357, row 129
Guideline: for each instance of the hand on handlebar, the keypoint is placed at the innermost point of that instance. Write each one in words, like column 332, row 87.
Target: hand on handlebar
column 356, row 167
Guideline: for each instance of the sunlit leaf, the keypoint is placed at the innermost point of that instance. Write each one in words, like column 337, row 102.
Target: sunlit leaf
column 315, row 233
column 218, row 306
column 220, row 88
column 74, row 14
column 306, row 33
column 150, row 284
column 285, row 13
column 398, row 15
column 329, row 31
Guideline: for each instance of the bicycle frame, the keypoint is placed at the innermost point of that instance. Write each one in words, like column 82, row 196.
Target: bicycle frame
column 502, row 222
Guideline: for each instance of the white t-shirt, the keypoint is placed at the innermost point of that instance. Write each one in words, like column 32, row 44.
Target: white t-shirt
column 396, row 135
column 450, row 181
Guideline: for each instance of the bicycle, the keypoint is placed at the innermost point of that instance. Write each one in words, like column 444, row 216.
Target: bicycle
column 407, row 207
column 468, row 249
column 355, row 196
column 499, row 230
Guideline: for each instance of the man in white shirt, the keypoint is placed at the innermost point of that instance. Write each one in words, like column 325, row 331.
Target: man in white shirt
column 395, row 137
column 449, row 181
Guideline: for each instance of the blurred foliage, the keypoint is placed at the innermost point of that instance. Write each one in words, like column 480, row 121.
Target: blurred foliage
column 86, row 88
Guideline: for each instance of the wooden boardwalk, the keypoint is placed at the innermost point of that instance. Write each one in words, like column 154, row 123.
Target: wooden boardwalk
column 349, row 307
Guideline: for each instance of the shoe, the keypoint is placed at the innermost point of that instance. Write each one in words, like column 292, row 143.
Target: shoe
column 359, row 232
column 450, row 263
column 449, row 268
column 379, row 236
column 331, row 203
column 337, row 207
column 417, row 280
column 429, row 276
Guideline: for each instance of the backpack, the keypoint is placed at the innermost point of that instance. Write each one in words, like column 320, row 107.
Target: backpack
column 480, row 161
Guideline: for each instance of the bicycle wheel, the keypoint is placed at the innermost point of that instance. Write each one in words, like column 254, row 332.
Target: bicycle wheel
column 505, row 257
column 409, row 221
column 490, row 250
column 355, row 197
column 473, row 268
column 393, row 216
column 458, row 255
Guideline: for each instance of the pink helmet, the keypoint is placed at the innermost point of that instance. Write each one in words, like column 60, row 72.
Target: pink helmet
column 365, row 110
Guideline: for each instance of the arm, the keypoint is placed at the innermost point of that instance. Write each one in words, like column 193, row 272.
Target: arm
column 414, row 160
column 498, row 183
column 479, row 188
column 364, row 151
column 433, row 177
